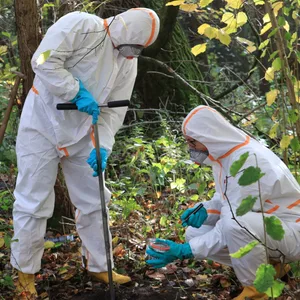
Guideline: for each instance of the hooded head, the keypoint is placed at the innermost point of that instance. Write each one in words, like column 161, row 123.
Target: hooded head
column 208, row 127
column 136, row 26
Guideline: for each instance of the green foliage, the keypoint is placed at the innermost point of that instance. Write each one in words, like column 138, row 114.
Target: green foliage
column 237, row 165
column 250, row 175
column 264, row 277
column 244, row 250
column 6, row 200
column 274, row 228
column 276, row 289
column 6, row 282
column 246, row 205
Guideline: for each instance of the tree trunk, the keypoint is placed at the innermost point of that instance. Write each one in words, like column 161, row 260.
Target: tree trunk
column 27, row 22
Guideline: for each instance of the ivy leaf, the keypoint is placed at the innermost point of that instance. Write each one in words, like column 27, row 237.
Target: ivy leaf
column 250, row 175
column 236, row 165
column 274, row 228
column 244, row 250
column 285, row 141
column 273, row 130
column 277, row 288
column 271, row 96
column 264, row 277
column 276, row 64
column 199, row 49
column 246, row 205
column 43, row 57
column 295, row 144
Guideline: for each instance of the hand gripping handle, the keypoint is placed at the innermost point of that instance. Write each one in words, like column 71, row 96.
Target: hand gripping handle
column 73, row 106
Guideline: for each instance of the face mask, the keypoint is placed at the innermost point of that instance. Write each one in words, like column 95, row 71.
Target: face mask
column 130, row 51
column 198, row 156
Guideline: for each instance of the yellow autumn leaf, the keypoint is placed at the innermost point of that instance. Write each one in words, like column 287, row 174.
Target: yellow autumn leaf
column 294, row 37
column 251, row 49
column 273, row 130
column 227, row 18
column 43, row 57
column 266, row 18
column 241, row 19
column 188, row 7
column 202, row 28
column 224, row 37
column 294, row 15
column 285, row 141
column 265, row 28
column 2, row 242
column 236, row 4
column 199, row 49
column 175, row 3
column 231, row 27
column 271, row 96
column 286, row 26
column 49, row 244
column 276, row 7
column 244, row 41
column 269, row 75
column 211, row 32
column 204, row 3
column 259, row 2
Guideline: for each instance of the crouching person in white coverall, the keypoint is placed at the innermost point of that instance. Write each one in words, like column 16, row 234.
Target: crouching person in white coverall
column 212, row 233
column 92, row 61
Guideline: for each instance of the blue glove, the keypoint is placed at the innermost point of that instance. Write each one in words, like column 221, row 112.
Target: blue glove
column 86, row 103
column 92, row 160
column 176, row 251
column 195, row 220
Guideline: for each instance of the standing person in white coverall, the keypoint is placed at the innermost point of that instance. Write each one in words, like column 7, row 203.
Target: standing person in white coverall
column 92, row 61
column 214, row 141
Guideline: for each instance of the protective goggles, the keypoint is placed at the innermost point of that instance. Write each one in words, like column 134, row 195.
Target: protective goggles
column 130, row 50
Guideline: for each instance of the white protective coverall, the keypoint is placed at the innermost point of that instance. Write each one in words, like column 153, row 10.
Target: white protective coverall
column 280, row 194
column 82, row 46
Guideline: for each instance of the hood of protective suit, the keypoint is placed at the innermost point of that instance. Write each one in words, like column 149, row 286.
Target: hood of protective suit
column 138, row 26
column 207, row 126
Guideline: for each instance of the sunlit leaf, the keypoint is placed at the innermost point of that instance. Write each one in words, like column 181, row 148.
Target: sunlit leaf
column 251, row 49
column 276, row 7
column 3, row 50
column 264, row 44
column 202, row 28
column 276, row 64
column 204, row 3
column 188, row 7
column 273, row 55
column 236, row 4
column 264, row 277
column 163, row 221
column 273, row 131
column 231, row 27
column 276, row 289
column 259, row 2
column 244, row 250
column 224, row 37
column 271, row 96
column 265, row 28
column 264, row 53
column 241, row 19
column 269, row 75
column 237, row 165
column 49, row 244
column 175, row 3
column 274, row 228
column 295, row 15
column 199, row 49
column 246, row 205
column 211, row 32
column 294, row 37
column 286, row 26
column 250, row 175
column 266, row 18
column 245, row 41
column 228, row 17
column 43, row 57
column 285, row 141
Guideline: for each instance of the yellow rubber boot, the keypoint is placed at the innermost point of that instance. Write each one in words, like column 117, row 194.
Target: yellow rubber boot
column 103, row 277
column 281, row 270
column 25, row 286
column 250, row 292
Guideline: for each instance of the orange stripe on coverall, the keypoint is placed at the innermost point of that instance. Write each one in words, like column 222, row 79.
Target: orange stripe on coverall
column 106, row 26
column 65, row 151
column 294, row 204
column 298, row 220
column 35, row 90
column 92, row 136
column 213, row 211
column 271, row 210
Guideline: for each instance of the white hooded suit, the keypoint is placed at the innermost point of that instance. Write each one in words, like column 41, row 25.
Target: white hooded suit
column 81, row 46
column 280, row 193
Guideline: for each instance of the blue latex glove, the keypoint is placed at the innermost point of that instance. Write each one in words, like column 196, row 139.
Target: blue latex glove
column 195, row 220
column 86, row 102
column 177, row 251
column 92, row 160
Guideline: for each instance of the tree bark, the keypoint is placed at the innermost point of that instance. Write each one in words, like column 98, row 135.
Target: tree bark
column 29, row 37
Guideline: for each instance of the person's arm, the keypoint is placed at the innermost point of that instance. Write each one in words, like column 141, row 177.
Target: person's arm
column 213, row 209
column 66, row 38
column 111, row 119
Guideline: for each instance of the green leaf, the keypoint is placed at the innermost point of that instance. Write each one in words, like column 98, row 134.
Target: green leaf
column 250, row 175
column 194, row 197
column 163, row 221
column 274, row 228
column 295, row 144
column 43, row 57
column 7, row 34
column 288, row 36
column 273, row 55
column 246, row 205
column 244, row 250
column 273, row 32
column 264, row 277
column 281, row 21
column 236, row 166
column 264, row 44
column 293, row 115
column 276, row 64
column 276, row 290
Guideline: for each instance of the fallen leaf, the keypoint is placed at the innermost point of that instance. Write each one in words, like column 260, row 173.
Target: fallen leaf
column 156, row 275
